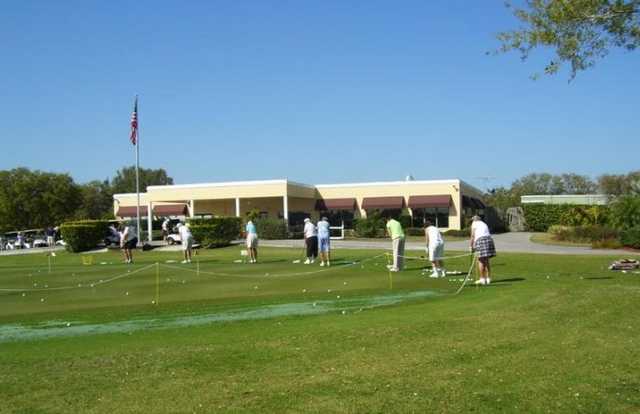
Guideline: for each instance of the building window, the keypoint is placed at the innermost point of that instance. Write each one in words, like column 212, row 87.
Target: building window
column 394, row 213
column 337, row 217
column 437, row 215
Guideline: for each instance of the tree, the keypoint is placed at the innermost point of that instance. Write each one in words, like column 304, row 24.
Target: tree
column 622, row 184
column 97, row 200
column 580, row 31
column 125, row 179
column 35, row 199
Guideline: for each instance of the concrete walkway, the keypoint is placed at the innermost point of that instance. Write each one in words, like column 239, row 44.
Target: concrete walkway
column 507, row 242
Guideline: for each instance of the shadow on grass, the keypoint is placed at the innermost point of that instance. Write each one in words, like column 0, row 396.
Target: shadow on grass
column 598, row 278
column 513, row 279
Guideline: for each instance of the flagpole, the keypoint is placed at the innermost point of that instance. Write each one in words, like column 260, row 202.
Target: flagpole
column 137, row 173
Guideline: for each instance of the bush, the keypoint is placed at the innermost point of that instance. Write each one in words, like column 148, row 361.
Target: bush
column 631, row 237
column 625, row 212
column 540, row 217
column 84, row 235
column 458, row 233
column 371, row 227
column 405, row 221
column 216, row 231
column 594, row 234
column 271, row 228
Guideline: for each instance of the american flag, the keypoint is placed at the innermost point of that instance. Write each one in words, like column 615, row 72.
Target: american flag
column 134, row 123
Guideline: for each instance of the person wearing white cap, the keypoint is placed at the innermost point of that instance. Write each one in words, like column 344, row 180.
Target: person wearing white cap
column 324, row 238
column 310, row 240
column 186, row 239
column 435, row 247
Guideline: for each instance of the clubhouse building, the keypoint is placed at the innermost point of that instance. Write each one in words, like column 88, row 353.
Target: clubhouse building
column 445, row 202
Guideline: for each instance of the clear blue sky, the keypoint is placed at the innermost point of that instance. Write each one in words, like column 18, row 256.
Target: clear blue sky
column 318, row 92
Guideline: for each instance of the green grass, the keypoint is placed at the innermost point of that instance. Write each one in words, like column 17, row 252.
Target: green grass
column 552, row 334
column 546, row 238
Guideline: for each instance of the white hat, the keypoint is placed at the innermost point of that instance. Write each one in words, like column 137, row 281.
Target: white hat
column 307, row 220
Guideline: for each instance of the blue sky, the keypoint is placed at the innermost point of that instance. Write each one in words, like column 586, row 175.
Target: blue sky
column 317, row 92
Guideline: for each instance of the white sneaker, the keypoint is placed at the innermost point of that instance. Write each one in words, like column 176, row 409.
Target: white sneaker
column 313, row 261
column 480, row 282
column 434, row 275
column 184, row 261
column 328, row 263
column 487, row 281
column 307, row 261
column 321, row 264
column 443, row 273
column 394, row 269
column 189, row 261
column 389, row 266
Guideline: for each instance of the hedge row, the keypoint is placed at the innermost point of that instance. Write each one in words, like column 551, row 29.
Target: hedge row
column 216, row 231
column 271, row 228
column 539, row 217
column 83, row 235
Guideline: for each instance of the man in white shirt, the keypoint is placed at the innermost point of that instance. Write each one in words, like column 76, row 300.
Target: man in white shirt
column 186, row 238
column 324, row 237
column 482, row 243
column 128, row 241
column 311, row 241
column 435, row 247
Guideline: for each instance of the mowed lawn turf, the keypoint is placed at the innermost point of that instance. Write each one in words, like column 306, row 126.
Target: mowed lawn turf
column 552, row 334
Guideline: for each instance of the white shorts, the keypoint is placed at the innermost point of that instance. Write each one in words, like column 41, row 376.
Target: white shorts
column 436, row 252
column 252, row 241
column 187, row 244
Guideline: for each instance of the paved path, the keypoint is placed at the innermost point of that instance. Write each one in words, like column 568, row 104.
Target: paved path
column 507, row 242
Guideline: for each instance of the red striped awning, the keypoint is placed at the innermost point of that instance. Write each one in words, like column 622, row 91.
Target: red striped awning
column 130, row 211
column 395, row 203
column 170, row 210
column 336, row 204
column 430, row 201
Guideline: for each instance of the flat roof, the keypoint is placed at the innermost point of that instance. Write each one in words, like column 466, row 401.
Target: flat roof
column 289, row 182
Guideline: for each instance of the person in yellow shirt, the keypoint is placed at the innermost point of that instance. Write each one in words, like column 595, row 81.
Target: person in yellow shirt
column 395, row 232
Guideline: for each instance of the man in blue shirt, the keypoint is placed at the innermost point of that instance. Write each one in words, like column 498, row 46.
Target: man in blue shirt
column 252, row 241
column 324, row 233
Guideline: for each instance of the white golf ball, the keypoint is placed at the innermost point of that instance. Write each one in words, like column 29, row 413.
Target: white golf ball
column 328, row 290
column 255, row 287
column 344, row 312
column 68, row 324
column 153, row 302
column 24, row 294
column 345, row 283
column 338, row 297
column 304, row 290
column 127, row 294
column 41, row 299
column 314, row 304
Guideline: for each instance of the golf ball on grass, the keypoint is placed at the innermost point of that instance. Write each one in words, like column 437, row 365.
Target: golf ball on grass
column 41, row 299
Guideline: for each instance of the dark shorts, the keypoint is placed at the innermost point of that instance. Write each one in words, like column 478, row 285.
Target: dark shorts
column 484, row 247
column 131, row 244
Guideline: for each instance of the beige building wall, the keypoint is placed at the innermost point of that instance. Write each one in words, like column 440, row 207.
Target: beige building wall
column 273, row 196
column 398, row 188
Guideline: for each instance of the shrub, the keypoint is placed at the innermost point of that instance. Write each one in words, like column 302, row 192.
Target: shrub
column 584, row 215
column 216, row 231
column 271, row 228
column 370, row 227
column 594, row 234
column 631, row 237
column 405, row 221
column 625, row 212
column 540, row 217
column 83, row 235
